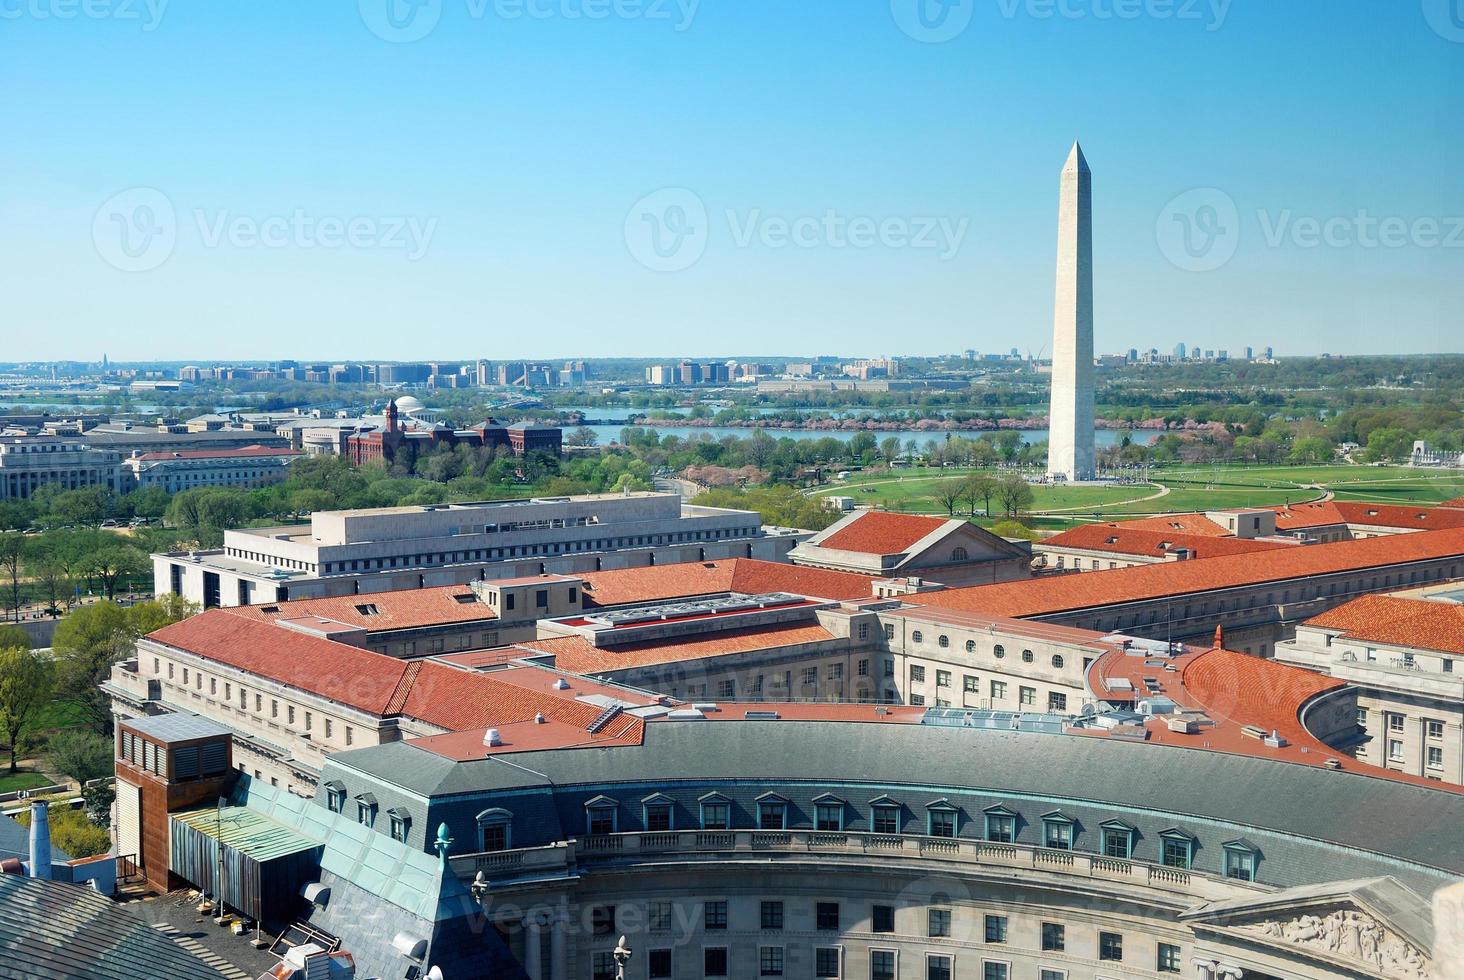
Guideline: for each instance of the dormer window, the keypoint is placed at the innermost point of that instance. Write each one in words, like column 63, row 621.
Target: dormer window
column 335, row 797
column 401, row 822
column 884, row 816
column 1001, row 824
column 1118, row 839
column 368, row 609
column 772, row 812
column 366, row 810
column 657, row 810
column 1241, row 857
column 493, row 830
column 828, row 813
column 1178, row 848
column 1057, row 831
column 600, row 816
column 716, row 812
column 940, row 819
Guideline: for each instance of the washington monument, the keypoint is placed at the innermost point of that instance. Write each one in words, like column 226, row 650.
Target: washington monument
column 1070, row 442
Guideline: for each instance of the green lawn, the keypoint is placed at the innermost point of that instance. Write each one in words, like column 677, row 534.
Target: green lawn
column 11, row 782
column 56, row 716
column 1192, row 488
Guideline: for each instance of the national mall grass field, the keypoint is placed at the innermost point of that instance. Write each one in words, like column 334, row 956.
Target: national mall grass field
column 1169, row 490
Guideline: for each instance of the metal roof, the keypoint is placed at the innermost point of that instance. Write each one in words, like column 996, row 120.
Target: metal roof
column 51, row 930
column 247, row 831
column 176, row 727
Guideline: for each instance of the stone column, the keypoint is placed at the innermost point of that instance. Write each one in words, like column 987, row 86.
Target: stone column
column 1448, row 919
column 533, row 947
column 1206, row 969
column 558, row 954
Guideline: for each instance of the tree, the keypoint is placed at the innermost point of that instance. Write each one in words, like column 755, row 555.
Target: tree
column 12, row 636
column 1014, row 493
column 889, row 448
column 110, row 563
column 1389, row 444
column 83, row 756
column 979, row 487
column 86, row 644
column 948, row 493
column 12, row 550
column 1013, row 529
column 583, row 436
column 26, row 680
column 1311, row 450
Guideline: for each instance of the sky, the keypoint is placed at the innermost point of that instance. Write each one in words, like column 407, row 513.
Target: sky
column 437, row 179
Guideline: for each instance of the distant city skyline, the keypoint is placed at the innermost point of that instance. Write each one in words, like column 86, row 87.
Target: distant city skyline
column 204, row 182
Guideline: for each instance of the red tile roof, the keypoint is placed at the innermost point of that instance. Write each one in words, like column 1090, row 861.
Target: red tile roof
column 1421, row 623
column 1054, row 594
column 1121, row 539
column 1457, row 502
column 244, row 452
column 578, row 655
column 879, row 532
column 1180, row 523
column 1235, row 690
column 1324, row 513
column 631, row 585
column 435, row 693
column 405, row 609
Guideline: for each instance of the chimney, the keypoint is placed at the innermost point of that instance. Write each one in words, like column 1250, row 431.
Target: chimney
column 1219, row 638
column 40, row 842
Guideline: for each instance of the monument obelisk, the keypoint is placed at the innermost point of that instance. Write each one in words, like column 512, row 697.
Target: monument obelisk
column 1070, row 441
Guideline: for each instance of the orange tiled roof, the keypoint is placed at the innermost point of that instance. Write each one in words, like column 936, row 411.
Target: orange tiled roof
column 626, row 585
column 1043, row 596
column 879, row 532
column 1322, row 513
column 1421, row 623
column 1121, row 539
column 1457, row 502
column 578, row 655
column 1180, row 524
column 404, row 609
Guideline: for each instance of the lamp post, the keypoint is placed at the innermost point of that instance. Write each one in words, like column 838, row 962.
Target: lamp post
column 622, row 957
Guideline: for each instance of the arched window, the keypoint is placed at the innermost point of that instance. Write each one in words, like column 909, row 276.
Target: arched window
column 493, row 829
column 958, row 554
column 1057, row 661
column 998, row 651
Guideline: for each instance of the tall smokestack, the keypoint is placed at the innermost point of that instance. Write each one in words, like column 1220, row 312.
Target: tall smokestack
column 40, row 842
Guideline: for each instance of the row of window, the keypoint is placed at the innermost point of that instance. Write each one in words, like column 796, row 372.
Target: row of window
column 998, row 651
column 886, row 816
column 195, row 679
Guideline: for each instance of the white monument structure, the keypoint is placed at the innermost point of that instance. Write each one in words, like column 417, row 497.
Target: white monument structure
column 1070, row 442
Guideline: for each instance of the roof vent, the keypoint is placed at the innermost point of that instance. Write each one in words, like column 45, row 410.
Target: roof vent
column 539, row 718
column 1333, row 763
column 492, row 738
column 560, row 684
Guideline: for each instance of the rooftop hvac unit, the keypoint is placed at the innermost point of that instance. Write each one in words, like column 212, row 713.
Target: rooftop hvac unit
column 492, row 738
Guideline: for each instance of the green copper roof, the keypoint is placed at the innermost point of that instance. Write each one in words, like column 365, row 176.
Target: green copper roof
column 247, row 831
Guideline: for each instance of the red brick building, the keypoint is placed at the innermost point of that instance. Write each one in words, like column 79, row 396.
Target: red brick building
column 395, row 443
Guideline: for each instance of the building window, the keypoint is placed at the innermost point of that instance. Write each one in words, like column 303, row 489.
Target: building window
column 943, row 642
column 714, row 816
column 1000, row 827
column 600, row 820
column 882, row 918
column 942, row 823
column 1433, row 729
column 1395, row 722
column 493, row 830
column 714, row 915
column 937, row 967
column 658, row 964
column 938, row 922
column 1177, row 849
column 1435, row 757
column 1057, row 833
column 770, row 961
column 1166, row 959
column 399, row 824
column 864, row 667
column 1027, row 695
column 714, row 961
column 365, row 811
column 658, row 817
column 996, row 929
column 1046, row 974
column 1240, row 861
column 917, row 674
column 658, row 917
column 1395, row 749
column 998, row 690
column 810, row 675
column 998, row 651
column 1057, row 661
column 1027, row 656
column 863, row 631
column 1054, row 937
column 916, row 637
column 772, row 815
column 881, row 964
column 602, row 920
column 942, row 678
column 826, row 962
column 772, row 915
column 602, row 966
column 335, row 799
column 830, row 816
column 889, row 631
column 971, row 684
column 826, row 915
column 1056, row 701
column 1110, row 947
column 1117, row 841
column 917, row 700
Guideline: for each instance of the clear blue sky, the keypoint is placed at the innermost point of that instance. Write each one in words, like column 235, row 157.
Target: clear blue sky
column 521, row 145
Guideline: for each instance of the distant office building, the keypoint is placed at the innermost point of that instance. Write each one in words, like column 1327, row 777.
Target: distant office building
column 403, row 374
column 1179, row 351
column 526, row 374
column 715, row 373
column 126, row 437
column 1250, row 353
column 359, row 551
column 689, row 373
column 251, row 466
column 660, row 374
column 30, row 462
column 483, row 374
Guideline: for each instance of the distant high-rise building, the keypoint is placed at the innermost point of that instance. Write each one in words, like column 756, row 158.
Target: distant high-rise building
column 1250, row 353
column 1270, row 354
column 1179, row 351
column 1070, row 441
